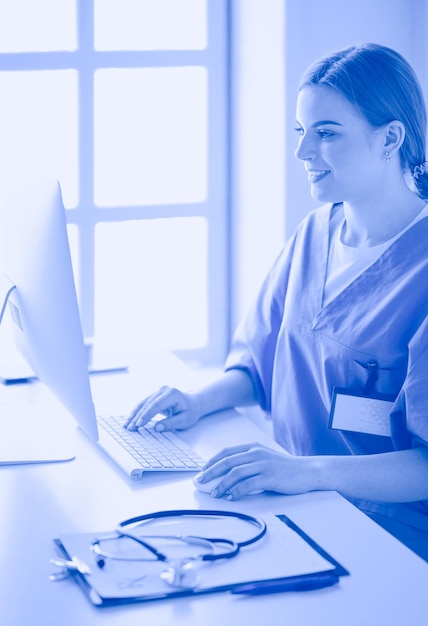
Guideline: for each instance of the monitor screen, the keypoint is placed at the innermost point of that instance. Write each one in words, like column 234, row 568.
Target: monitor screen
column 35, row 259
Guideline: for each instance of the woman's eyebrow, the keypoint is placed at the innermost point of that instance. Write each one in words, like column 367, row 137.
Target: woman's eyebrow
column 322, row 123
column 325, row 122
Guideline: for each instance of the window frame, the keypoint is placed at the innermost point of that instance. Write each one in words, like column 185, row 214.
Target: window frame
column 215, row 208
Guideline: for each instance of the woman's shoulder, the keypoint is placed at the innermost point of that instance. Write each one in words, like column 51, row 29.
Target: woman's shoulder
column 320, row 214
column 419, row 343
column 313, row 227
column 316, row 222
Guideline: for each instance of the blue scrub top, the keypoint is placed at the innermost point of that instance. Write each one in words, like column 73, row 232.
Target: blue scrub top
column 296, row 350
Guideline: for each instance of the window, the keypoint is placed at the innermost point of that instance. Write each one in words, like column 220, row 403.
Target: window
column 125, row 101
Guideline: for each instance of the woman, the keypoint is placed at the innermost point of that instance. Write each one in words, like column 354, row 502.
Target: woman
column 342, row 318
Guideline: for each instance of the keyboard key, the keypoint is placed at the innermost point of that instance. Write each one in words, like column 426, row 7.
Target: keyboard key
column 152, row 449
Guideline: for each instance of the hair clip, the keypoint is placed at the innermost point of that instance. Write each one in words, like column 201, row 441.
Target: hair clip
column 420, row 170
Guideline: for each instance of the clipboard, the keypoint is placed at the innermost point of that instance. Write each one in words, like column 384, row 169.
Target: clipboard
column 286, row 558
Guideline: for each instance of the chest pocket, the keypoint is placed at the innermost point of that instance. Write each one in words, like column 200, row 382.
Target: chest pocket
column 369, row 375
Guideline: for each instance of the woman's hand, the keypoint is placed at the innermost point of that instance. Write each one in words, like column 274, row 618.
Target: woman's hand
column 181, row 410
column 399, row 476
column 252, row 467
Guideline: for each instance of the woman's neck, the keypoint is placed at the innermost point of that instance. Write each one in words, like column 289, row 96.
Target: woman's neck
column 372, row 223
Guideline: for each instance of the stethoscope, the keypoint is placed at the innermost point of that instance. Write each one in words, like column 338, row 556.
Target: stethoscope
column 179, row 571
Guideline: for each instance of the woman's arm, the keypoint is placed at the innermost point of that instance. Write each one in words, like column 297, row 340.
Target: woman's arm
column 400, row 476
column 234, row 388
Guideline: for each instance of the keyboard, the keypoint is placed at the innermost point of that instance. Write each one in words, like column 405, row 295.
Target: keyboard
column 152, row 450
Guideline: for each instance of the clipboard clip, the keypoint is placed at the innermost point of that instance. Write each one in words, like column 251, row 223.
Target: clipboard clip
column 67, row 568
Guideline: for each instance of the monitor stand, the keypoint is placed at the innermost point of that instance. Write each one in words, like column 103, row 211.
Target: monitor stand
column 30, row 435
column 34, row 428
column 31, row 431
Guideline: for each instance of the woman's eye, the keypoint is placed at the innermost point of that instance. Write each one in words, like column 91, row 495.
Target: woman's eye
column 299, row 130
column 325, row 134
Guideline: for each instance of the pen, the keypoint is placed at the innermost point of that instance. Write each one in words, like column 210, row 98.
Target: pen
column 294, row 583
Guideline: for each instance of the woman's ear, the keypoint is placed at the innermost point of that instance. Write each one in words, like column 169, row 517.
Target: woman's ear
column 394, row 133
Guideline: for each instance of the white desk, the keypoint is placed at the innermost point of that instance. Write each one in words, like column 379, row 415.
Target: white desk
column 387, row 585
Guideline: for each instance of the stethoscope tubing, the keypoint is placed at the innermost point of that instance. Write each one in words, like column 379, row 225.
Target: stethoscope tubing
column 261, row 524
column 232, row 547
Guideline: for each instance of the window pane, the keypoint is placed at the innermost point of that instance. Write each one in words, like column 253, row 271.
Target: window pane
column 150, row 136
column 38, row 121
column 37, row 25
column 151, row 283
column 150, row 24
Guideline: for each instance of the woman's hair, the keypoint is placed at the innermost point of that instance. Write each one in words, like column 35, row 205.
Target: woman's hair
column 382, row 85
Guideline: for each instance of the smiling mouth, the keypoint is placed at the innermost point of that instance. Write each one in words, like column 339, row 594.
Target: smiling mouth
column 315, row 176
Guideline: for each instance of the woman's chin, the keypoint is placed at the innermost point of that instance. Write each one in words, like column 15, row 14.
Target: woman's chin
column 323, row 195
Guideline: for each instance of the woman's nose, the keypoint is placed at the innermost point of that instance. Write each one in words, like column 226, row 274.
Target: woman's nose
column 305, row 150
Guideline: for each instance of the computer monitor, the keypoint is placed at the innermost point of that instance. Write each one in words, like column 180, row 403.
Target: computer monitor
column 39, row 288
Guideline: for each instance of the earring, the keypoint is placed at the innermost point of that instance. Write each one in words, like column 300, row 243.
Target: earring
column 386, row 156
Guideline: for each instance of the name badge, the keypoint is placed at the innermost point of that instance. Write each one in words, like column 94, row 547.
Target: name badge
column 361, row 413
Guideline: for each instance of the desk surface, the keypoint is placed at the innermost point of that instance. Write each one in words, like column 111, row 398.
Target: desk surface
column 387, row 584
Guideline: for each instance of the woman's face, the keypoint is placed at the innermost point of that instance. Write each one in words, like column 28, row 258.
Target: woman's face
column 342, row 152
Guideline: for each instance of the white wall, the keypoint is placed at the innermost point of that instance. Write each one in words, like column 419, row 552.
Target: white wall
column 273, row 42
